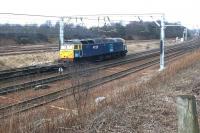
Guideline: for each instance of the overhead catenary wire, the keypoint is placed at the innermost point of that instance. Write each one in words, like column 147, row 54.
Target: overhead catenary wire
column 34, row 15
column 87, row 17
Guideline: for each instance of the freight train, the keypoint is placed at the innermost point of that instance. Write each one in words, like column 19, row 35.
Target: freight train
column 92, row 49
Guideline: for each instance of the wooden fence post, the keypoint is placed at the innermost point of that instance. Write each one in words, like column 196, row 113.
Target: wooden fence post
column 187, row 114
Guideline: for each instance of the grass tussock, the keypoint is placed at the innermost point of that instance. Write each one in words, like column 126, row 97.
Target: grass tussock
column 91, row 116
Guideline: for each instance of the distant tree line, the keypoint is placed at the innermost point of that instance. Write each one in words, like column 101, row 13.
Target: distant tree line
column 24, row 34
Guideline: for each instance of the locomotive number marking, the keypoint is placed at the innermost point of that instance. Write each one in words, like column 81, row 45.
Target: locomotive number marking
column 95, row 47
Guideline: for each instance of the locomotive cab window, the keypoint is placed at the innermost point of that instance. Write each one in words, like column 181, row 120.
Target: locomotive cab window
column 76, row 47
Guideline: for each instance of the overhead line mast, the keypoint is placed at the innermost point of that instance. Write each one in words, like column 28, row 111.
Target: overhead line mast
column 61, row 34
column 162, row 43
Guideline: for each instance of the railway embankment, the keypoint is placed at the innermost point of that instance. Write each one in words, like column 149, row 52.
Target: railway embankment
column 142, row 103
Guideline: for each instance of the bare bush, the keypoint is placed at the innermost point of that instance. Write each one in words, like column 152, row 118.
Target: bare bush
column 80, row 93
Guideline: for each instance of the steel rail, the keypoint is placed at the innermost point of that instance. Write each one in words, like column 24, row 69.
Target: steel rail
column 23, row 86
column 28, row 52
column 13, row 73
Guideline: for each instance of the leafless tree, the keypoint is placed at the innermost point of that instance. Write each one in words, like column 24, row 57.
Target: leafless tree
column 80, row 76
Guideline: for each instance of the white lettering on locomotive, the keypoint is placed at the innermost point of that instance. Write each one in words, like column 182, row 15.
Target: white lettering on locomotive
column 95, row 47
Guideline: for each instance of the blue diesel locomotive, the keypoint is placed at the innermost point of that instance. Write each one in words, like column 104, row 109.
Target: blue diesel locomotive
column 93, row 49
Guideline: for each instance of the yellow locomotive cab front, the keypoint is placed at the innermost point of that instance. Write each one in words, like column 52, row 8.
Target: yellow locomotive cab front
column 67, row 53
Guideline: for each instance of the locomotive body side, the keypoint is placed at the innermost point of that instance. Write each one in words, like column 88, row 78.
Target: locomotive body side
column 103, row 49
column 97, row 49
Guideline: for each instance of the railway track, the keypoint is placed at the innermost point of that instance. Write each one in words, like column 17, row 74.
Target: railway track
column 26, row 71
column 47, row 98
column 20, row 72
column 17, row 51
column 130, row 58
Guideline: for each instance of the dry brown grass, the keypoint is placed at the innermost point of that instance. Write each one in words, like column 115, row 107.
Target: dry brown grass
column 16, row 61
column 142, row 45
column 118, row 97
column 92, row 119
column 128, row 89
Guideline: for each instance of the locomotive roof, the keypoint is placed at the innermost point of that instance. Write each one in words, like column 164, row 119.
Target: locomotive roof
column 96, row 40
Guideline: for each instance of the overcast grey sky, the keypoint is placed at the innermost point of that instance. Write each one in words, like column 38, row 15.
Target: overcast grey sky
column 186, row 11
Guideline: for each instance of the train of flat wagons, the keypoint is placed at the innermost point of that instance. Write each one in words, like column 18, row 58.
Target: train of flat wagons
column 97, row 49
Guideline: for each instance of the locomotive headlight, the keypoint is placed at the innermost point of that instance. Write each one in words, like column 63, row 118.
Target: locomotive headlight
column 69, row 46
column 63, row 47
